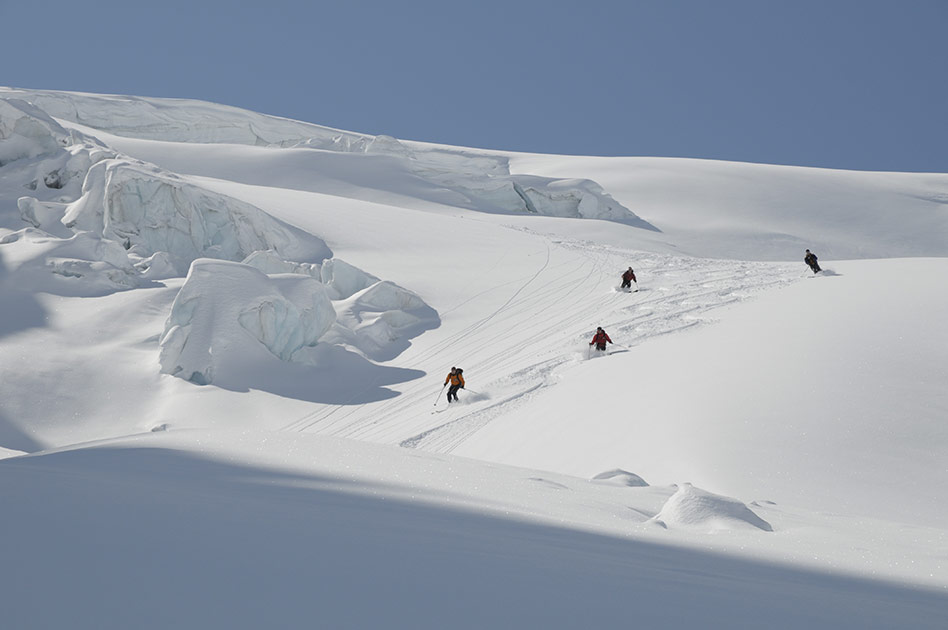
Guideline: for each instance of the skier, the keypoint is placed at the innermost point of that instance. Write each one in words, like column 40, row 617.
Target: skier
column 810, row 259
column 600, row 339
column 628, row 277
column 457, row 382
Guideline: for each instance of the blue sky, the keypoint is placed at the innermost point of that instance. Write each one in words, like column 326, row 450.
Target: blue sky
column 860, row 84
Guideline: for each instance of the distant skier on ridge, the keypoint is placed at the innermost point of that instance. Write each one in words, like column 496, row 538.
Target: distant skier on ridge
column 811, row 260
column 628, row 277
column 600, row 339
column 457, row 382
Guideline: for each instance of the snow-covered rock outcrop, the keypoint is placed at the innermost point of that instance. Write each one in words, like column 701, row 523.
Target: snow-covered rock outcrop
column 694, row 507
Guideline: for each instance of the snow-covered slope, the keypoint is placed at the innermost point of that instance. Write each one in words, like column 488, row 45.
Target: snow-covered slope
column 767, row 212
column 219, row 314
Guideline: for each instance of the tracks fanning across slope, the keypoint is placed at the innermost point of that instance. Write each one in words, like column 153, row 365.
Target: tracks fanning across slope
column 521, row 342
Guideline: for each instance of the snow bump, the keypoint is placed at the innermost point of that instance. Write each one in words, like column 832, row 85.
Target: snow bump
column 692, row 507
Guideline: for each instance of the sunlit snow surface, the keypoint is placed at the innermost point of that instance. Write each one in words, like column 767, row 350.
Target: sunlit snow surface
column 217, row 328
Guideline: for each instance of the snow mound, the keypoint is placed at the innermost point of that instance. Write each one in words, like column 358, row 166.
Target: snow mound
column 693, row 507
column 619, row 477
column 149, row 210
column 81, row 265
column 225, row 311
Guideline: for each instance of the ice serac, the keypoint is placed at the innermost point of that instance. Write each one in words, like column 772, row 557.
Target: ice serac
column 479, row 180
column 270, row 262
column 181, row 120
column 41, row 158
column 344, row 280
column 380, row 319
column 697, row 508
column 149, row 210
column 100, row 222
column 226, row 313
column 231, row 315
column 27, row 132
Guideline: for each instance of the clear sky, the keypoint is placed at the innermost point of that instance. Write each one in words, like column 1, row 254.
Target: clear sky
column 860, row 84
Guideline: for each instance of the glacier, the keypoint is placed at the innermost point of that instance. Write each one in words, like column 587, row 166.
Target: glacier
column 99, row 222
column 481, row 180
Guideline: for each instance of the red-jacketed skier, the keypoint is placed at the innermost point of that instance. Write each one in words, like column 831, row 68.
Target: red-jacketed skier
column 600, row 339
column 628, row 277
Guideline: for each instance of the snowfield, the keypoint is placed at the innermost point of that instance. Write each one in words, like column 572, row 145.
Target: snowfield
column 223, row 343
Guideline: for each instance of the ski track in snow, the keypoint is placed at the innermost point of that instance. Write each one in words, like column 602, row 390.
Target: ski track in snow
column 578, row 281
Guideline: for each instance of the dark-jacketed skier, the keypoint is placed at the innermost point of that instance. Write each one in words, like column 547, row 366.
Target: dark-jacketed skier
column 457, row 382
column 811, row 260
column 600, row 339
column 628, row 277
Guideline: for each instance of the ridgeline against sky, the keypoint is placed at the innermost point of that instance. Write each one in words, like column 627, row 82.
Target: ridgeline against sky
column 855, row 84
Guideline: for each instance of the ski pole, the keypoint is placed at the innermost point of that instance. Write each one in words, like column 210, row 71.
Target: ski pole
column 470, row 391
column 439, row 395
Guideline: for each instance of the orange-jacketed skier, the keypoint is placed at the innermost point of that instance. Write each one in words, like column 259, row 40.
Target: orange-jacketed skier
column 457, row 382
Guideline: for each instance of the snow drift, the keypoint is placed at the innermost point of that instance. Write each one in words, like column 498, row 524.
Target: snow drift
column 694, row 507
